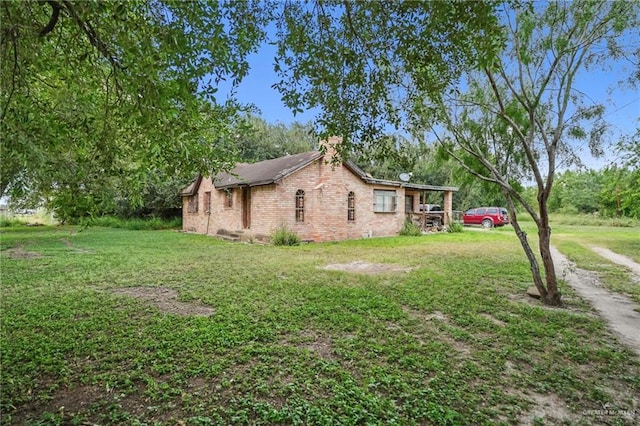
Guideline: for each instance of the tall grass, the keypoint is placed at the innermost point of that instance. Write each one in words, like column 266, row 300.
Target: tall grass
column 410, row 229
column 136, row 224
column 8, row 222
column 593, row 220
column 581, row 219
column 283, row 236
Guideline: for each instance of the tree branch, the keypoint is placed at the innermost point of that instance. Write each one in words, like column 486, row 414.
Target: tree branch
column 91, row 34
column 14, row 42
column 524, row 139
column 53, row 20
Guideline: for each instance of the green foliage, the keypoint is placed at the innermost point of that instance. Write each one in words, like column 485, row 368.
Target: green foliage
column 455, row 227
column 620, row 193
column 410, row 229
column 8, row 222
column 135, row 224
column 264, row 141
column 364, row 64
column 158, row 195
column 578, row 219
column 94, row 90
column 283, row 236
column 576, row 192
column 610, row 192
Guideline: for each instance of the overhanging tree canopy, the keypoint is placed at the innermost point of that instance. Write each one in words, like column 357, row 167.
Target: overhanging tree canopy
column 119, row 87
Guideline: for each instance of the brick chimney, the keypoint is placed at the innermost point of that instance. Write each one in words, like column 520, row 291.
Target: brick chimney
column 330, row 146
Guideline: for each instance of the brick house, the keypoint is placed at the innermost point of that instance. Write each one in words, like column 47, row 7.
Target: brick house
column 317, row 199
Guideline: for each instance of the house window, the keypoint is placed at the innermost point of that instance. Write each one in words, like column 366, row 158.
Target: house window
column 207, row 202
column 228, row 199
column 384, row 201
column 192, row 206
column 351, row 207
column 300, row 205
column 408, row 203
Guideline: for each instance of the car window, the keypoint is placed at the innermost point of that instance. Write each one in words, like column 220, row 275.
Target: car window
column 480, row 211
column 470, row 212
column 504, row 212
column 492, row 211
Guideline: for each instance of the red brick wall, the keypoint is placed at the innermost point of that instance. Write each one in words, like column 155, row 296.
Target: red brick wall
column 326, row 190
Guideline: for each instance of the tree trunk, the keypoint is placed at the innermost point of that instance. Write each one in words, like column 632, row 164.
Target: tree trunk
column 553, row 296
column 522, row 236
column 535, row 268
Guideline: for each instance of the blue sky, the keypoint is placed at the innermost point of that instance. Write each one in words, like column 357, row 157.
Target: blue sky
column 622, row 104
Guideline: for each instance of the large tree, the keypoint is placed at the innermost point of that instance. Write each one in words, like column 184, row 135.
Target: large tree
column 516, row 115
column 523, row 116
column 119, row 88
column 356, row 61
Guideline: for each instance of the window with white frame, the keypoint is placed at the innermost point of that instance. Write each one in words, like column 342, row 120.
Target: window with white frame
column 384, row 201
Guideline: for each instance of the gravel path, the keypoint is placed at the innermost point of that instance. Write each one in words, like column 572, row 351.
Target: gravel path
column 616, row 309
column 619, row 259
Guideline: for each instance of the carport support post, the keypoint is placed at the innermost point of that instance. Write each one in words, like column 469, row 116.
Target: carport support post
column 424, row 210
column 448, row 207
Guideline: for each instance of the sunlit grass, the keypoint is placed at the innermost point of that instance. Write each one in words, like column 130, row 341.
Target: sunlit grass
column 450, row 340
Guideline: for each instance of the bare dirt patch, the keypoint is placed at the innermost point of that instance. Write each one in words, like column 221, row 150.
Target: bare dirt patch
column 19, row 252
column 315, row 342
column 358, row 266
column 73, row 248
column 549, row 408
column 494, row 320
column 65, row 400
column 438, row 325
column 569, row 303
column 319, row 344
column 617, row 309
column 166, row 300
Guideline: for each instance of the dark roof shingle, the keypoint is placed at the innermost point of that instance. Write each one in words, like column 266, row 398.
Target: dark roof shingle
column 264, row 172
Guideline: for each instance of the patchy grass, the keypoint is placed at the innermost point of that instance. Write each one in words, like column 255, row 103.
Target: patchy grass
column 576, row 243
column 443, row 336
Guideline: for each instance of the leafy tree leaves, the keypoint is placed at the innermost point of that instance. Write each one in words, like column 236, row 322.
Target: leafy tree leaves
column 122, row 87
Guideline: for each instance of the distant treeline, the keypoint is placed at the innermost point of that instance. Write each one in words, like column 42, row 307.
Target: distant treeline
column 611, row 192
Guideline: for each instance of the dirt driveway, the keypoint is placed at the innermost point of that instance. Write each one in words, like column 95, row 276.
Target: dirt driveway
column 619, row 259
column 617, row 309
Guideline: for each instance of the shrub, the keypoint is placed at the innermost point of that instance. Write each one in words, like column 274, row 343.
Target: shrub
column 283, row 236
column 456, row 227
column 6, row 222
column 410, row 229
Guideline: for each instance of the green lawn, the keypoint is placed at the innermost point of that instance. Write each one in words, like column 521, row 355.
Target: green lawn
column 445, row 338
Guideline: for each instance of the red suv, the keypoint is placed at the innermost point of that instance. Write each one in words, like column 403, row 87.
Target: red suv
column 488, row 217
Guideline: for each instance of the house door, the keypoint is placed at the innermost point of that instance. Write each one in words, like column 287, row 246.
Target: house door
column 246, row 208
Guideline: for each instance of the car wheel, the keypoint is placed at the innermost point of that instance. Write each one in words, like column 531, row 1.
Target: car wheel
column 487, row 223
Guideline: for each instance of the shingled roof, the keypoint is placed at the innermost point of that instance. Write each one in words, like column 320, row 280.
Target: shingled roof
column 272, row 171
column 264, row 172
